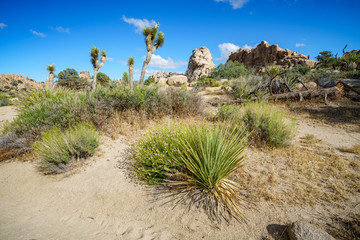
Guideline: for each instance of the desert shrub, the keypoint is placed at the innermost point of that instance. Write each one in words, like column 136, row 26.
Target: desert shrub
column 125, row 79
column 303, row 69
column 200, row 159
column 69, row 78
column 352, row 75
column 149, row 81
column 266, row 124
column 244, row 87
column 103, row 79
column 4, row 101
column 57, row 148
column 207, row 82
column 326, row 59
column 229, row 70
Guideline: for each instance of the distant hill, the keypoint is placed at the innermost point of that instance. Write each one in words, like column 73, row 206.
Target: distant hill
column 11, row 82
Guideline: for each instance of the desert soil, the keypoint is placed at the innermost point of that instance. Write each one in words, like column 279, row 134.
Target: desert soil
column 101, row 200
column 7, row 113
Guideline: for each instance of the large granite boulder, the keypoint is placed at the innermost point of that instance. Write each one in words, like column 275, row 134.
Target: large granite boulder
column 85, row 75
column 266, row 54
column 176, row 80
column 200, row 64
column 158, row 75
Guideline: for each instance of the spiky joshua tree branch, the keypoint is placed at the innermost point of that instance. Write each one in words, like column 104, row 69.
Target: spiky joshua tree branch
column 153, row 41
column 94, row 53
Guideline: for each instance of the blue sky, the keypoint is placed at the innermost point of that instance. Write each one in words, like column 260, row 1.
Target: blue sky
column 36, row 33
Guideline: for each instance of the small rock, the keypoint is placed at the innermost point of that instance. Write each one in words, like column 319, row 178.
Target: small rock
column 306, row 231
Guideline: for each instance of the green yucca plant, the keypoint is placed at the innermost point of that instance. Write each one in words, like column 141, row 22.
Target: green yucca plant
column 194, row 162
column 94, row 59
column 130, row 63
column 209, row 154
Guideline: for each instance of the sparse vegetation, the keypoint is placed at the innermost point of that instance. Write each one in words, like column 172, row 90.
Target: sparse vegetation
column 266, row 123
column 57, row 148
column 229, row 70
column 4, row 100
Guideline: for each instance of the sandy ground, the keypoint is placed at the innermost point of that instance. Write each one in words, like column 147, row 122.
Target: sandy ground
column 101, row 201
column 7, row 113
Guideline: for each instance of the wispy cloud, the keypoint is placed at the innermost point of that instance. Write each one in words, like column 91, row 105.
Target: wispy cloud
column 61, row 29
column 38, row 33
column 139, row 24
column 234, row 3
column 300, row 44
column 110, row 59
column 159, row 62
column 2, row 25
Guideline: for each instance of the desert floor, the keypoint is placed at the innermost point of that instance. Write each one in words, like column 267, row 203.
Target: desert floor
column 101, row 199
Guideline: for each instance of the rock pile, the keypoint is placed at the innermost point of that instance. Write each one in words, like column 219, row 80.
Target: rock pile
column 12, row 82
column 266, row 54
column 85, row 75
column 171, row 79
column 200, row 64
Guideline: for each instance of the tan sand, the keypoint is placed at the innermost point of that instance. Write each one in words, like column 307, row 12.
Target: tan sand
column 7, row 113
column 100, row 201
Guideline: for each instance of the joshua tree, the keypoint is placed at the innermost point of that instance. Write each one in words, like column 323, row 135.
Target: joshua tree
column 153, row 42
column 51, row 68
column 131, row 62
column 94, row 53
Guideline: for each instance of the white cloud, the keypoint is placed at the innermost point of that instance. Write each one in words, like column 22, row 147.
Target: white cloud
column 159, row 62
column 123, row 62
column 227, row 48
column 140, row 24
column 234, row 3
column 2, row 25
column 110, row 59
column 300, row 45
column 61, row 29
column 38, row 33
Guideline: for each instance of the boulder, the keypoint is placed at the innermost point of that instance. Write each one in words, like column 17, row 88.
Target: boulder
column 177, row 80
column 158, row 75
column 266, row 54
column 306, row 231
column 311, row 85
column 162, row 81
column 200, row 64
column 327, row 83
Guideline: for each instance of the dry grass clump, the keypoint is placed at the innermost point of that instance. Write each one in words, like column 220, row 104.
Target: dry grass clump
column 306, row 174
column 355, row 149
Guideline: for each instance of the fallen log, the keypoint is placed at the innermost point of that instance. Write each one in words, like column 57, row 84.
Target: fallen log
column 324, row 92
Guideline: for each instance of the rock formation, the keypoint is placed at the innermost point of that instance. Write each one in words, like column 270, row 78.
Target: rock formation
column 200, row 64
column 171, row 79
column 85, row 75
column 266, row 54
column 12, row 82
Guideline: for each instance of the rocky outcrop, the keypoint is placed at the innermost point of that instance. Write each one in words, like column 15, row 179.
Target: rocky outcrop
column 12, row 82
column 85, row 75
column 306, row 231
column 200, row 64
column 171, row 79
column 266, row 54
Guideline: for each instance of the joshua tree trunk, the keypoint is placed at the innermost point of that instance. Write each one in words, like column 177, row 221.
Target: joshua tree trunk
column 146, row 62
column 131, row 75
column 51, row 80
column 94, row 80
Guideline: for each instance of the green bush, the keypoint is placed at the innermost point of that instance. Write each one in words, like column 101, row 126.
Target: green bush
column 352, row 75
column 57, row 148
column 207, row 82
column 149, row 81
column 229, row 70
column 196, row 160
column 267, row 124
column 4, row 101
column 103, row 79
column 69, row 78
column 245, row 87
column 303, row 69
